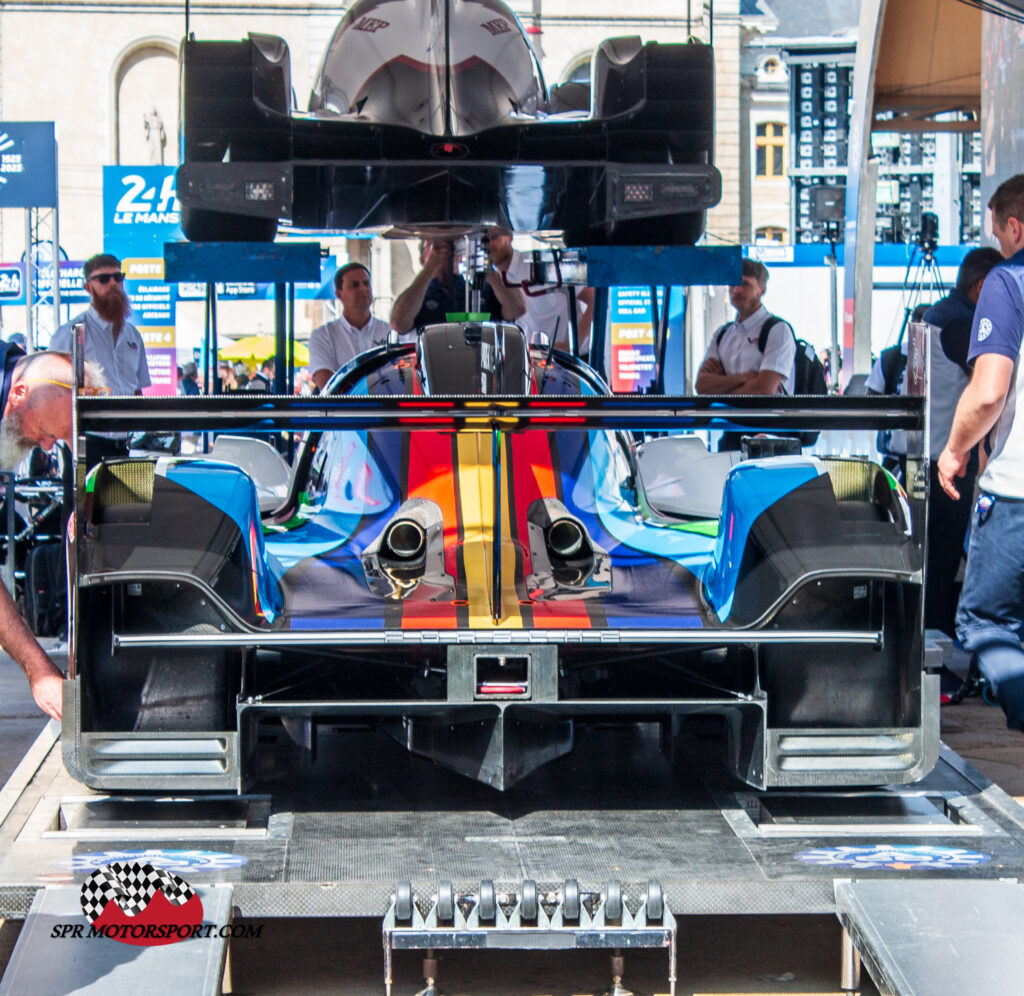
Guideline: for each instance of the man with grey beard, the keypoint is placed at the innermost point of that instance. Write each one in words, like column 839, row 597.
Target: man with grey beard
column 111, row 342
column 35, row 410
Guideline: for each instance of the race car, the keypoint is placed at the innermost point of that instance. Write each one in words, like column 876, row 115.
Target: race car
column 432, row 116
column 481, row 578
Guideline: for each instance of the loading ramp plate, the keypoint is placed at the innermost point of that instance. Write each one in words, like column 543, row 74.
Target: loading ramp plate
column 48, row 958
column 919, row 938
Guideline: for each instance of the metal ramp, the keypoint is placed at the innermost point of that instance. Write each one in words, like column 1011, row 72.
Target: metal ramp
column 919, row 938
column 46, row 961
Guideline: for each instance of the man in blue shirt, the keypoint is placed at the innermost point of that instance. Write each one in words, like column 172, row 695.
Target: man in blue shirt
column 948, row 344
column 991, row 611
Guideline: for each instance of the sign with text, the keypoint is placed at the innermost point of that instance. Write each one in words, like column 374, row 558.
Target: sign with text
column 153, row 306
column 28, row 164
column 140, row 210
column 631, row 337
column 72, row 283
column 12, row 283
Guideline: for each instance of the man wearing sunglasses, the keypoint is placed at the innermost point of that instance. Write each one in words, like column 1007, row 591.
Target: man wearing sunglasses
column 35, row 410
column 111, row 342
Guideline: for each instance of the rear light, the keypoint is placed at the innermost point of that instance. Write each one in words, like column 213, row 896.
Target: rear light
column 648, row 191
column 449, row 150
column 505, row 676
column 260, row 190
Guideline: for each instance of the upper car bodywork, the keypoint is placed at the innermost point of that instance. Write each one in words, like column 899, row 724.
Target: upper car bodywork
column 478, row 592
column 430, row 116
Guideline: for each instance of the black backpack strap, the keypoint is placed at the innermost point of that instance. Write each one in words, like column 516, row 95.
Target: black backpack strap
column 769, row 323
column 719, row 332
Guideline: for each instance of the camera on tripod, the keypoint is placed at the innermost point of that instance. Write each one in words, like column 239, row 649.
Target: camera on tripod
column 927, row 278
column 927, row 236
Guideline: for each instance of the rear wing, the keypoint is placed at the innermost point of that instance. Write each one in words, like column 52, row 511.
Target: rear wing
column 257, row 412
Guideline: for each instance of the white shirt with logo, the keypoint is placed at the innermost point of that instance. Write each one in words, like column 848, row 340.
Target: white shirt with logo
column 738, row 353
column 331, row 346
column 124, row 365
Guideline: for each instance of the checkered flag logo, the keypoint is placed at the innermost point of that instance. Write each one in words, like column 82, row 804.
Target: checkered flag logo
column 132, row 886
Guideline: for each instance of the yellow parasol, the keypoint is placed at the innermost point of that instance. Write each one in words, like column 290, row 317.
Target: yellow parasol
column 257, row 348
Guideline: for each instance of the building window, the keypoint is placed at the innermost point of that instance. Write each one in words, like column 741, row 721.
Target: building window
column 770, row 233
column 770, row 146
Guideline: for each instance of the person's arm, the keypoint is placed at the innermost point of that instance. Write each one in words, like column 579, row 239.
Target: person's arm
column 762, row 382
column 44, row 678
column 407, row 305
column 511, row 299
column 142, row 373
column 977, row 411
column 712, row 378
column 776, row 364
column 875, row 383
column 322, row 355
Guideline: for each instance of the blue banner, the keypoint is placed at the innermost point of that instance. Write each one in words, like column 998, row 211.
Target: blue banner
column 140, row 210
column 12, row 283
column 141, row 214
column 28, row 164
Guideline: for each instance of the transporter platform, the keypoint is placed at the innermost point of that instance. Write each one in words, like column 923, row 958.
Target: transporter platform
column 368, row 827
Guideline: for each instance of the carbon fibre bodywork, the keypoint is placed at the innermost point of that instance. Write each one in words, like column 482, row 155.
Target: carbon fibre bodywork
column 434, row 116
column 479, row 588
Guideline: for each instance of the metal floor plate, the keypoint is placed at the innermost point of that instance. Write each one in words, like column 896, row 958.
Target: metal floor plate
column 336, row 836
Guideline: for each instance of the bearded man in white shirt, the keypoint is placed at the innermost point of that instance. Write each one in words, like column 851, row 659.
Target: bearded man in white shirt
column 112, row 342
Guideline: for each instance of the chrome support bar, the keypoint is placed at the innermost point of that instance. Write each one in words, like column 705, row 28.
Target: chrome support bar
column 349, row 638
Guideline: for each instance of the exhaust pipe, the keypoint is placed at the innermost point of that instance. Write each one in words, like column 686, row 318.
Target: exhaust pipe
column 566, row 561
column 408, row 553
column 405, row 539
column 565, row 537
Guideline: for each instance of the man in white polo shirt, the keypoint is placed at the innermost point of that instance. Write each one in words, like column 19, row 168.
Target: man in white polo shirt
column 740, row 358
column 331, row 346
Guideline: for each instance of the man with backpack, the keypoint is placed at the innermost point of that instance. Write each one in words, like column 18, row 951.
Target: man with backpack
column 734, row 362
column 758, row 353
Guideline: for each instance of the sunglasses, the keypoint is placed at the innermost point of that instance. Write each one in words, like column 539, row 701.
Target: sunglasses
column 105, row 278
